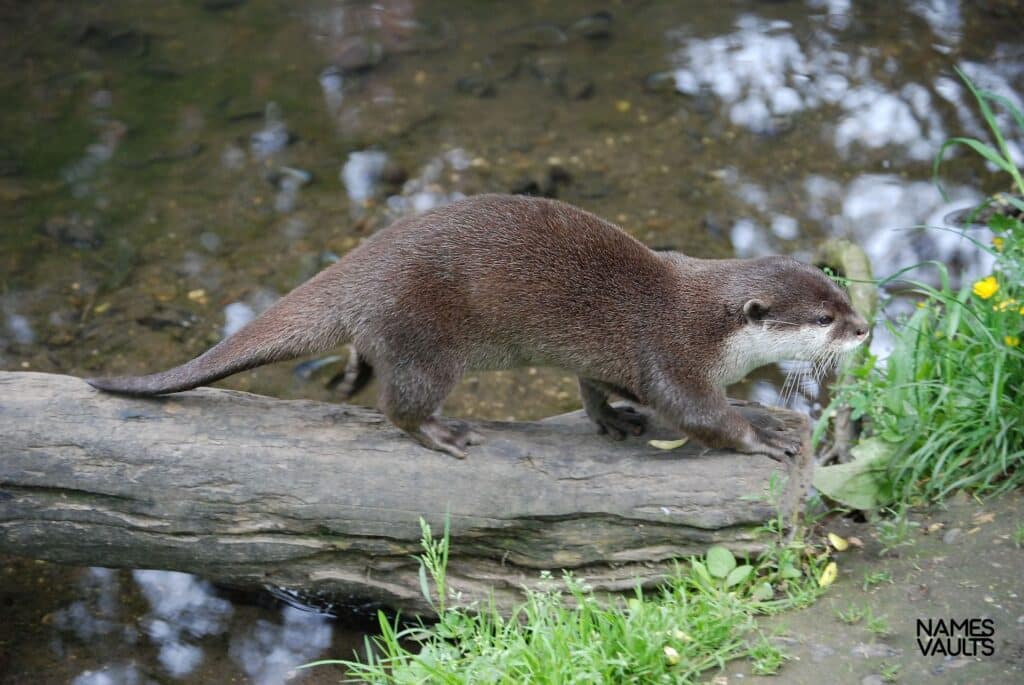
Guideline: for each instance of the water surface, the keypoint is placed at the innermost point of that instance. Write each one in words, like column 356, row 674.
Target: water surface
column 168, row 170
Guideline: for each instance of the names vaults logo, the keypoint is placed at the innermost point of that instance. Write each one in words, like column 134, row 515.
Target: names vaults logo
column 968, row 637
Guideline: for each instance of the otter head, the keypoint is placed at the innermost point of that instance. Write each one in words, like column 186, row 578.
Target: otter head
column 800, row 313
column 789, row 311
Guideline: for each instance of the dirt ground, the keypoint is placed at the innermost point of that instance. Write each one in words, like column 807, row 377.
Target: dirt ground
column 961, row 561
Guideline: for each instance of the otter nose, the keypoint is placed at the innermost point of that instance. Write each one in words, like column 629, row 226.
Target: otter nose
column 860, row 328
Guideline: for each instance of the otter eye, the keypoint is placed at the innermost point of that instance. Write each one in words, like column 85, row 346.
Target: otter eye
column 825, row 320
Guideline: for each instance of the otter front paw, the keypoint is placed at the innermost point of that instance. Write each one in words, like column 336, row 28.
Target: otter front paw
column 618, row 422
column 777, row 443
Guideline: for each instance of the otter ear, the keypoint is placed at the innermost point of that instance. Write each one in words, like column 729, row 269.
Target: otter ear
column 755, row 310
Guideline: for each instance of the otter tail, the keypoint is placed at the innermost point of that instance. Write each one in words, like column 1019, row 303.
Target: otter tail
column 304, row 321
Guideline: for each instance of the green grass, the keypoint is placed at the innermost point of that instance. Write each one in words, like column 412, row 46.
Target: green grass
column 945, row 406
column 852, row 614
column 894, row 529
column 703, row 617
column 873, row 578
column 890, row 671
column 877, row 625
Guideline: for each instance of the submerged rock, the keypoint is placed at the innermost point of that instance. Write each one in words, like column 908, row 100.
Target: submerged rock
column 221, row 5
column 576, row 87
column 660, row 82
column 358, row 53
column 163, row 318
column 504, row 64
column 74, row 231
column 544, row 35
column 476, row 85
column 121, row 40
column 596, row 26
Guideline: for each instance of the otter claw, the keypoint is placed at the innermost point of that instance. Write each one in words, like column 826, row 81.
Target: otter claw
column 777, row 443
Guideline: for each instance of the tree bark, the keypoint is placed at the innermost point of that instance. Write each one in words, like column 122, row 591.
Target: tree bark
column 253, row 491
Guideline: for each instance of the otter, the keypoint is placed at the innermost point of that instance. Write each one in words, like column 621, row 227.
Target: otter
column 497, row 281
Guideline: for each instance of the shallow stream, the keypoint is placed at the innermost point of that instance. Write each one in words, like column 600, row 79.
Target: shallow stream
column 167, row 170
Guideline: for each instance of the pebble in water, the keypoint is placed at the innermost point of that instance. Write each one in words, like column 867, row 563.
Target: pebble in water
column 477, row 86
column 210, row 241
column 596, row 26
column 233, row 158
column 288, row 181
column 535, row 36
column 357, row 53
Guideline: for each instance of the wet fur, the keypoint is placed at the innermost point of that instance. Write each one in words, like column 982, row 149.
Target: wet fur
column 498, row 281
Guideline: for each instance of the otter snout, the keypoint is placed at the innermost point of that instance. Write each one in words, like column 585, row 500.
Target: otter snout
column 855, row 331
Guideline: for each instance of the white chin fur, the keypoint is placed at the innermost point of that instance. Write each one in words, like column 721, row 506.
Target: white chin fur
column 852, row 344
column 754, row 346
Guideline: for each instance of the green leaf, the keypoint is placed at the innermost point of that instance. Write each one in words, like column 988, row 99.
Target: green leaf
column 789, row 571
column 1000, row 223
column 763, row 592
column 738, row 575
column 720, row 561
column 424, row 586
column 701, row 570
column 862, row 483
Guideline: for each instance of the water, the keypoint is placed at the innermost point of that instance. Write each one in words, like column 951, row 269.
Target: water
column 167, row 170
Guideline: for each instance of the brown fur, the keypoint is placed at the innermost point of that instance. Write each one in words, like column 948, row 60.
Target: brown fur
column 496, row 281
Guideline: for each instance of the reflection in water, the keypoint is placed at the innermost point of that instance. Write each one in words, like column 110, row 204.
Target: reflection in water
column 898, row 223
column 273, row 137
column 362, row 172
column 765, row 75
column 182, row 608
column 97, row 615
column 269, row 652
column 117, row 674
column 120, row 619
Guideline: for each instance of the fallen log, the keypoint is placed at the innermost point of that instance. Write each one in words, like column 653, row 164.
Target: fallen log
column 252, row 491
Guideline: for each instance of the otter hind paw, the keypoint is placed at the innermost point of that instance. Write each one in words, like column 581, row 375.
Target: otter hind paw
column 618, row 422
column 449, row 437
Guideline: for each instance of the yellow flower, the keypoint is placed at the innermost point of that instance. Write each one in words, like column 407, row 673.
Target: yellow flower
column 986, row 287
column 671, row 655
column 1012, row 340
column 1004, row 305
column 998, row 243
